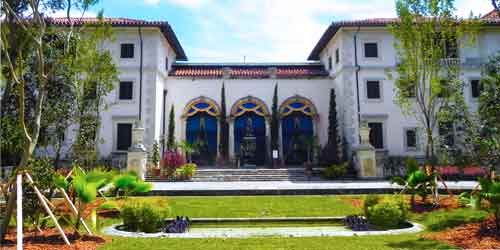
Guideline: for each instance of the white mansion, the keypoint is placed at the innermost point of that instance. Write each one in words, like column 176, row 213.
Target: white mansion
column 351, row 57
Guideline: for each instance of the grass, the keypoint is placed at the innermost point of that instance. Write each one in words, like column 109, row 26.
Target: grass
column 258, row 206
column 408, row 241
column 288, row 206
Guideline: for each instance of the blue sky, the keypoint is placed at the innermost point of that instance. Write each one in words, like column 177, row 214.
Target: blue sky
column 260, row 30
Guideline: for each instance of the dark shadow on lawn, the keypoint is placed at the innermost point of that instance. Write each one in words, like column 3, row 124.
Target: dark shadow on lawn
column 419, row 244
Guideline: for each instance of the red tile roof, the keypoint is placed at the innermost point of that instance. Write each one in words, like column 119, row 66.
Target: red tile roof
column 491, row 18
column 127, row 22
column 492, row 14
column 249, row 71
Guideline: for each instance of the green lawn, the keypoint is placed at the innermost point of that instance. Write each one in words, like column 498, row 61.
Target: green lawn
column 287, row 206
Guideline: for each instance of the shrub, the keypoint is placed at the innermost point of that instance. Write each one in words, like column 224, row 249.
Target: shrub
column 186, row 171
column 386, row 213
column 129, row 183
column 143, row 217
column 172, row 161
column 336, row 170
column 411, row 165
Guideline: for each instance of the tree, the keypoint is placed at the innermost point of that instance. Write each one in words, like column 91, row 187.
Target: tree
column 224, row 127
column 332, row 153
column 275, row 121
column 427, row 37
column 171, row 130
column 187, row 148
column 155, row 154
column 496, row 4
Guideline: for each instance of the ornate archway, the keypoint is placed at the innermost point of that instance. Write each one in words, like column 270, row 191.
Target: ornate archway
column 249, row 115
column 297, row 129
column 201, row 116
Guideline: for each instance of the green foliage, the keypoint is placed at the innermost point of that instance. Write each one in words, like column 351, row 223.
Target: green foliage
column 442, row 220
column 186, row 171
column 129, row 183
column 224, row 126
column 41, row 170
column 275, row 120
column 427, row 70
column 108, row 205
column 386, row 213
column 336, row 170
column 411, row 165
column 370, row 201
column 332, row 152
column 171, row 130
column 490, row 191
column 155, row 154
column 143, row 217
column 416, row 183
column 187, row 148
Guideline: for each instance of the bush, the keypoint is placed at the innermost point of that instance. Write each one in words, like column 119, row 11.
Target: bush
column 42, row 172
column 186, row 171
column 143, row 217
column 336, row 171
column 129, row 183
column 172, row 161
column 387, row 213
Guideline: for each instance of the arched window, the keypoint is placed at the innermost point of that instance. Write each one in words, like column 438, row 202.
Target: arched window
column 201, row 129
column 249, row 116
column 297, row 126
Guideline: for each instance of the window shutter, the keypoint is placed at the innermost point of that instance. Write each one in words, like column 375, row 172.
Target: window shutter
column 371, row 50
column 126, row 90
column 124, row 136
column 376, row 134
column 373, row 89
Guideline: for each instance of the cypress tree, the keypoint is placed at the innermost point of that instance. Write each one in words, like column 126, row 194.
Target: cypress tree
column 275, row 120
column 171, row 130
column 224, row 127
column 333, row 154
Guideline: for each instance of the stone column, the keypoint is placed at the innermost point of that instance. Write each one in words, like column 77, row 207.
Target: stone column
column 231, row 138
column 365, row 160
column 268, row 140
column 137, row 154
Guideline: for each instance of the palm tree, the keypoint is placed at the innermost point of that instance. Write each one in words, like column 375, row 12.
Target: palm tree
column 490, row 191
column 187, row 148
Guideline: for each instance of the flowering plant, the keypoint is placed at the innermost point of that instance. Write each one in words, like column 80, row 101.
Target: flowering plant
column 171, row 161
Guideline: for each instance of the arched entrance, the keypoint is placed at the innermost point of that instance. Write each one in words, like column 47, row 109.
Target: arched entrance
column 297, row 127
column 201, row 129
column 249, row 116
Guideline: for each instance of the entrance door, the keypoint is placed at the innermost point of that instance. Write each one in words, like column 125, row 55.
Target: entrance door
column 201, row 131
column 297, row 134
column 249, row 125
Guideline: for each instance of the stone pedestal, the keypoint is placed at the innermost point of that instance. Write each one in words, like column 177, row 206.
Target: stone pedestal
column 365, row 160
column 137, row 156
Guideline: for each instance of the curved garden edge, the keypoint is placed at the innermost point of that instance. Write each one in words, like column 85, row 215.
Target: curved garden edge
column 256, row 232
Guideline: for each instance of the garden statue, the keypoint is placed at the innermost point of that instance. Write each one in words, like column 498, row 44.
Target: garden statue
column 137, row 154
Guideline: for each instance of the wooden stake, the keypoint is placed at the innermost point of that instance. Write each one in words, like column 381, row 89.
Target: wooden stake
column 47, row 208
column 73, row 209
column 19, row 214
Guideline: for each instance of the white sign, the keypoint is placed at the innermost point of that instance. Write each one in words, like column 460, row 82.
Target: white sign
column 275, row 154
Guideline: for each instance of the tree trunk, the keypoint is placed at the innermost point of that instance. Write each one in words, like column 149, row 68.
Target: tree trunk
column 8, row 214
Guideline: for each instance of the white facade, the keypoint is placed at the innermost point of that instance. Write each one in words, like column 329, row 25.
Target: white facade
column 159, row 61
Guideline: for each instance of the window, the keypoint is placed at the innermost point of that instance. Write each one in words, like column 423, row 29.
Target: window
column 127, row 50
column 124, row 136
column 166, row 63
column 330, row 64
column 376, row 134
column 476, row 88
column 373, row 90
column 411, row 139
column 447, row 133
column 445, row 90
column 371, row 50
column 337, row 56
column 126, row 90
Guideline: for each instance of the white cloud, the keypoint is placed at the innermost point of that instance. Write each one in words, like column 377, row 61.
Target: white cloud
column 279, row 30
column 73, row 13
column 190, row 4
column 152, row 2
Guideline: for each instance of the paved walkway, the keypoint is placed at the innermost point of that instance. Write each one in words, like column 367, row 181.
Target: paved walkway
column 288, row 187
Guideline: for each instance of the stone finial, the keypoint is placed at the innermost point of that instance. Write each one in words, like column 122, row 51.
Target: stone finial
column 364, row 134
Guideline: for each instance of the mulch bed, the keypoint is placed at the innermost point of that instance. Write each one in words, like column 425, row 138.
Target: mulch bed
column 470, row 236
column 50, row 239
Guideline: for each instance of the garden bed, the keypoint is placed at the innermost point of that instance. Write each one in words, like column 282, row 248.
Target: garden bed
column 241, row 228
column 469, row 236
column 50, row 239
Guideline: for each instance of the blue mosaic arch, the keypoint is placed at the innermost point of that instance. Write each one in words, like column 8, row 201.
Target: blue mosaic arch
column 297, row 126
column 201, row 116
column 254, row 110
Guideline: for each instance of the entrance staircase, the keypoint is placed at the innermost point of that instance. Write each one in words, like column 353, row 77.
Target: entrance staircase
column 263, row 174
